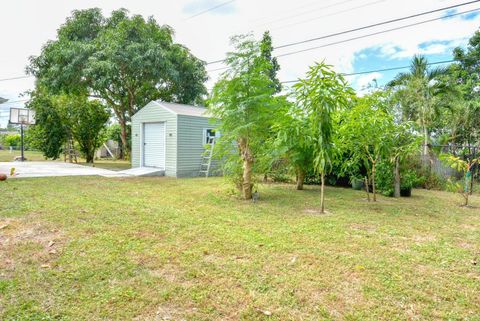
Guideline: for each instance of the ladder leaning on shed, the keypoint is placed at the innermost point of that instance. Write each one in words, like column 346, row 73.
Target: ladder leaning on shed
column 207, row 158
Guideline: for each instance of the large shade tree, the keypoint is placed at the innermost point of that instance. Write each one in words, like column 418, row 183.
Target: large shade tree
column 243, row 98
column 124, row 60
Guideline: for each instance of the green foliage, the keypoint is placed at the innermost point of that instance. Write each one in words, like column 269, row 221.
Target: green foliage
column 366, row 131
column 50, row 132
column 243, row 100
column 67, row 117
column 464, row 167
column 88, row 123
column 385, row 178
column 423, row 96
column 465, row 76
column 11, row 140
column 322, row 93
column 266, row 49
column 125, row 60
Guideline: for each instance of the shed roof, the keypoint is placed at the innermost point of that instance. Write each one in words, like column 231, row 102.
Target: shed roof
column 187, row 110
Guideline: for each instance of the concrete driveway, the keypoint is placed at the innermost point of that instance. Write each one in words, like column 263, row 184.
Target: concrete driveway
column 47, row 169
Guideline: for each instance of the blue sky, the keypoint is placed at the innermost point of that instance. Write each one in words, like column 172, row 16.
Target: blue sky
column 207, row 34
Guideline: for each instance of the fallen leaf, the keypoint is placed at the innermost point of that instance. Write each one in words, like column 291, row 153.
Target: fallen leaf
column 45, row 266
column 266, row 312
column 3, row 226
column 50, row 244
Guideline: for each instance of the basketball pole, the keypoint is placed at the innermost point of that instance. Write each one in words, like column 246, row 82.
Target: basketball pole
column 22, row 147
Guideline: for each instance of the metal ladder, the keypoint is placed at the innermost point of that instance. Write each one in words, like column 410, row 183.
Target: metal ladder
column 207, row 158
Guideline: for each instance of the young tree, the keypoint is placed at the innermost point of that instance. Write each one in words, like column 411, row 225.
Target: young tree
column 243, row 100
column 125, row 60
column 294, row 141
column 320, row 95
column 366, row 132
column 465, row 167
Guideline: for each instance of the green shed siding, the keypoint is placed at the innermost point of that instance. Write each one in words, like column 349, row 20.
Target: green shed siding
column 152, row 112
column 190, row 144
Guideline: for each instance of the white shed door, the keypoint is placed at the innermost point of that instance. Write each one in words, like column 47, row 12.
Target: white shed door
column 154, row 145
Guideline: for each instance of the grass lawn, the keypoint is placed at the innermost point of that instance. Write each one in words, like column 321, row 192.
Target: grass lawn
column 7, row 156
column 89, row 248
column 114, row 165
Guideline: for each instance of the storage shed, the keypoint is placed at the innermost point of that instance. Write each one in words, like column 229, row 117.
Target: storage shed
column 171, row 137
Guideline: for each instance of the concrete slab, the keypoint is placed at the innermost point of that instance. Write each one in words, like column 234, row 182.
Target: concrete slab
column 48, row 169
column 144, row 171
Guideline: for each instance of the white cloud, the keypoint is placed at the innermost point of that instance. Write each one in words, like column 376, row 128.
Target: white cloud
column 363, row 82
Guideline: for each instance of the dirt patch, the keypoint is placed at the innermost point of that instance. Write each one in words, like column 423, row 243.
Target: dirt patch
column 166, row 312
column 315, row 211
column 16, row 233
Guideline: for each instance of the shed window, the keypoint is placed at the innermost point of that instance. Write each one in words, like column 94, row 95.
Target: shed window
column 208, row 135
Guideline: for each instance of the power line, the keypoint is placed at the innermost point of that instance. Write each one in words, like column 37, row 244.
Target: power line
column 14, row 101
column 376, row 70
column 379, row 70
column 307, row 12
column 329, row 15
column 363, row 36
column 14, row 78
column 376, row 33
column 210, row 9
column 372, row 25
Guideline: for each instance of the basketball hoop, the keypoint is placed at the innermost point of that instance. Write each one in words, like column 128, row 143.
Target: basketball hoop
column 22, row 117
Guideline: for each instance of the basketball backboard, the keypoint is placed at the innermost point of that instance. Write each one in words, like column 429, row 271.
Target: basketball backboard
column 22, row 116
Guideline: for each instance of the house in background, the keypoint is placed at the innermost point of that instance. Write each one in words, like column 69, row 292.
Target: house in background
column 171, row 137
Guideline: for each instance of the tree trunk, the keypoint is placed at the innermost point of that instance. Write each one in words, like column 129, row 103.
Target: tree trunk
column 247, row 179
column 300, row 178
column 123, row 137
column 89, row 157
column 396, row 172
column 247, row 158
column 367, row 189
column 322, row 195
column 373, row 181
column 425, row 141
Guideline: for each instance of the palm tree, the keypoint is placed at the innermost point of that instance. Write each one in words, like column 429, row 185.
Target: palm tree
column 422, row 94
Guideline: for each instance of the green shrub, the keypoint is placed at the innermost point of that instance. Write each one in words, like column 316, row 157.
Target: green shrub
column 384, row 178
